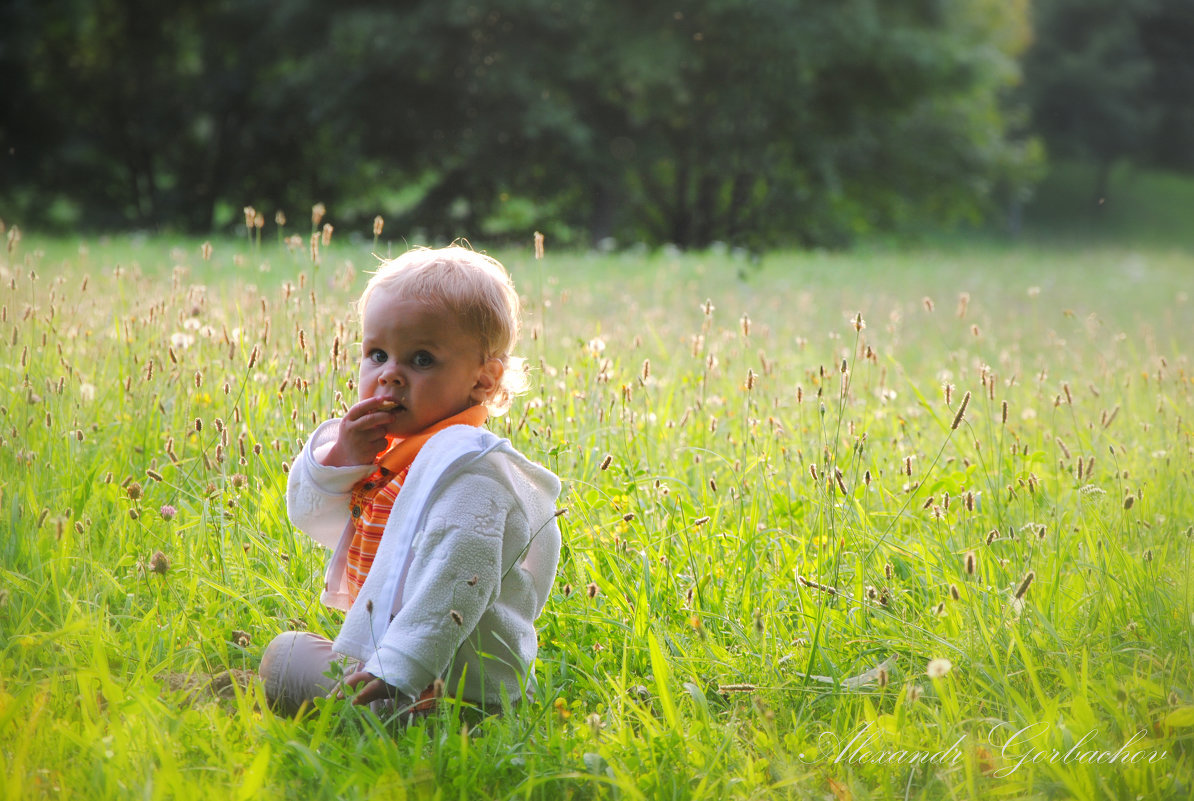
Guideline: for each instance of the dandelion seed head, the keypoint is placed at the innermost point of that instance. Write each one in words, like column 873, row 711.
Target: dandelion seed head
column 938, row 668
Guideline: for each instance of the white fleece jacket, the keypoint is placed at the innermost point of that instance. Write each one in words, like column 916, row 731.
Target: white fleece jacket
column 464, row 567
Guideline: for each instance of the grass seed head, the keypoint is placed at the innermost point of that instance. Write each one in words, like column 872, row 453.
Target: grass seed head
column 961, row 411
column 1025, row 584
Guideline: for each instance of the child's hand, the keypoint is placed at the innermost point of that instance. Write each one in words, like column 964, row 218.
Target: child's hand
column 372, row 688
column 362, row 434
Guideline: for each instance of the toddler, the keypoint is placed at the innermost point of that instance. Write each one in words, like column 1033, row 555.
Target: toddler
column 444, row 536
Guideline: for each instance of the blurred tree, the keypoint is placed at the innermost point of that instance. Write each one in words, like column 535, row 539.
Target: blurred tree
column 1114, row 79
column 1085, row 77
column 748, row 121
column 1167, row 38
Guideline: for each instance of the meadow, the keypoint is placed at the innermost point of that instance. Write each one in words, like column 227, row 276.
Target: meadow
column 882, row 524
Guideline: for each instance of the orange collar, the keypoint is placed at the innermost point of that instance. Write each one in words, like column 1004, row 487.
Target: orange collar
column 402, row 451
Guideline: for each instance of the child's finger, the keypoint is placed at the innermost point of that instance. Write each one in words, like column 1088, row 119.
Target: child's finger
column 360, row 409
column 372, row 691
column 369, row 405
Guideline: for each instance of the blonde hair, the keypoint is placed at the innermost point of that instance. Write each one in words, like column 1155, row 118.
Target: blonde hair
column 474, row 288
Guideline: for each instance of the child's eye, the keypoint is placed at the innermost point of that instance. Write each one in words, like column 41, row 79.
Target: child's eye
column 423, row 359
column 376, row 356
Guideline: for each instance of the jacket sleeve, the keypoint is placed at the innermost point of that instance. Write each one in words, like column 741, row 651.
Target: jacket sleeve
column 454, row 576
column 317, row 495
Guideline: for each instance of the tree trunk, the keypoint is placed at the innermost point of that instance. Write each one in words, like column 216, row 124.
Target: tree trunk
column 1102, row 184
column 601, row 219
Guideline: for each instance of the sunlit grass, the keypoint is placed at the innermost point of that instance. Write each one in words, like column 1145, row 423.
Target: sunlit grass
column 769, row 495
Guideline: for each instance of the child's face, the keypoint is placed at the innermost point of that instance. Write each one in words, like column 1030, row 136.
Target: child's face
column 422, row 360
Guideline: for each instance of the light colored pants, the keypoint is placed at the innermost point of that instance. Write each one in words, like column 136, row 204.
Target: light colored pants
column 298, row 667
column 295, row 667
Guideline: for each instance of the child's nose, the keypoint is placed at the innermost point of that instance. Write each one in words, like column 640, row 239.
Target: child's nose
column 390, row 374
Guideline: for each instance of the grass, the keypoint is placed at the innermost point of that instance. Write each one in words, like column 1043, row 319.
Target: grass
column 750, row 532
column 1150, row 208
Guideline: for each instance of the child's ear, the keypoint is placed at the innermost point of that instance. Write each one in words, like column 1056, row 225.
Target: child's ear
column 488, row 380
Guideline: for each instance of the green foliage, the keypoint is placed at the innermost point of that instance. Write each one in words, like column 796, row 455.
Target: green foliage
column 1139, row 207
column 769, row 495
column 746, row 121
column 1110, row 80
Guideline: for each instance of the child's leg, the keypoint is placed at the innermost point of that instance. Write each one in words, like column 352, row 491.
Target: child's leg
column 293, row 667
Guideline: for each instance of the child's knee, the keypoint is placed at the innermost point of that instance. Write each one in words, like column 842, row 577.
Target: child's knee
column 292, row 669
column 277, row 653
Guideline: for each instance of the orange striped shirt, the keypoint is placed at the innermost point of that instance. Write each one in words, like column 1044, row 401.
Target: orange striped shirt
column 373, row 497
